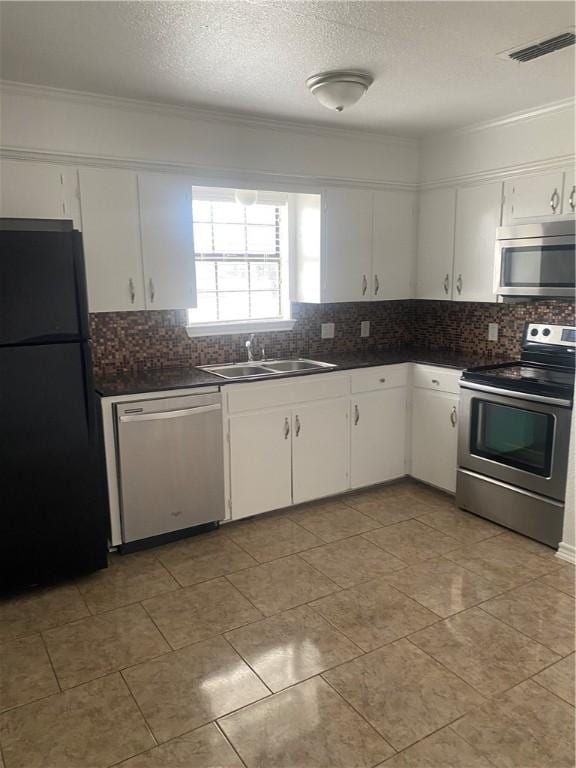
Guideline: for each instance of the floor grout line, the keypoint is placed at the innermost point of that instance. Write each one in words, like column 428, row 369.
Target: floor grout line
column 365, row 719
column 229, row 741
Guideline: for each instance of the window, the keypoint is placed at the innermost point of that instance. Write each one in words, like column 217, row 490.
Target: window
column 241, row 257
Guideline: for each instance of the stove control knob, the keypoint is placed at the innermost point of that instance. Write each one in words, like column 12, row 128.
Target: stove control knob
column 534, row 332
column 546, row 331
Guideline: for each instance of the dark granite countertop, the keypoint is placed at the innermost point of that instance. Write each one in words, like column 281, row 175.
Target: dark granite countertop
column 165, row 379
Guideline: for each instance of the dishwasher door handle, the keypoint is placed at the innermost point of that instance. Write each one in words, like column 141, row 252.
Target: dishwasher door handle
column 170, row 414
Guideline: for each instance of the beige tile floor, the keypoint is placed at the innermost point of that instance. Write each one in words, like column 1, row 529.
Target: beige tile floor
column 383, row 629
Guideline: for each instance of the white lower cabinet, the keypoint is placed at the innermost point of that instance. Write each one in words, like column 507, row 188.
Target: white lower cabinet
column 260, row 461
column 319, row 449
column 378, row 437
column 435, row 437
column 318, row 436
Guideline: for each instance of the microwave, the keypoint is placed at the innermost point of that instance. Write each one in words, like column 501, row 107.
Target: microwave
column 536, row 260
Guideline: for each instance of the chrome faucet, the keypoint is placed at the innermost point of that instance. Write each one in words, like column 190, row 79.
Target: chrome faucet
column 249, row 349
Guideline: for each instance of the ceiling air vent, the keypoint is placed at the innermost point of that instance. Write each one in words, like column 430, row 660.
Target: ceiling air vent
column 541, row 47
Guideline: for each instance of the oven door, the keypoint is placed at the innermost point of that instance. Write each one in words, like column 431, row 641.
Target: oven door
column 518, row 439
column 532, row 266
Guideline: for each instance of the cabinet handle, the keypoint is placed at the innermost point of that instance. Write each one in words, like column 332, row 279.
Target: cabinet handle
column 152, row 292
column 376, row 285
column 382, row 381
column 364, row 285
column 356, row 415
column 453, row 416
column 131, row 290
column 446, row 283
column 298, row 425
column 554, row 201
column 435, row 381
column 286, row 428
column 571, row 201
column 459, row 284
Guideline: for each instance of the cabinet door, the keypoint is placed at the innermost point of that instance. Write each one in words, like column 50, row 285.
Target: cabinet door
column 260, row 458
column 435, row 438
column 478, row 212
column 435, row 244
column 532, row 197
column 378, row 444
column 319, row 449
column 348, row 256
column 38, row 191
column 394, row 245
column 111, row 233
column 167, row 242
column 569, row 196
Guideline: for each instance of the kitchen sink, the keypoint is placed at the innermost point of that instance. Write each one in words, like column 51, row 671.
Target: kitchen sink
column 288, row 366
column 265, row 368
column 237, row 371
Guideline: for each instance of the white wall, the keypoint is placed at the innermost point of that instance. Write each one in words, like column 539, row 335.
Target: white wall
column 46, row 120
column 508, row 144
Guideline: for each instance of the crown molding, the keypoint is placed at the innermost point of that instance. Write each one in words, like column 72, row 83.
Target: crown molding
column 562, row 105
column 207, row 175
column 499, row 174
column 204, row 174
column 202, row 113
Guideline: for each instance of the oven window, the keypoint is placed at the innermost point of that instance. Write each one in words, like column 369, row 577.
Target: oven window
column 513, row 436
column 551, row 266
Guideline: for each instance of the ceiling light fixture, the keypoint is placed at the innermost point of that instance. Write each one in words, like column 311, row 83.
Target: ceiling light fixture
column 246, row 196
column 339, row 89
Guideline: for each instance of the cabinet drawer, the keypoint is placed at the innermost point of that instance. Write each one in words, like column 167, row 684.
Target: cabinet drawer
column 381, row 377
column 252, row 396
column 433, row 377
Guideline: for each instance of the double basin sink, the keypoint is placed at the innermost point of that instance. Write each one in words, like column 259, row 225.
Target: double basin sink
column 265, row 368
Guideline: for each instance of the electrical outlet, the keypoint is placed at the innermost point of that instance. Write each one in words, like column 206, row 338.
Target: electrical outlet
column 365, row 328
column 492, row 331
column 327, row 330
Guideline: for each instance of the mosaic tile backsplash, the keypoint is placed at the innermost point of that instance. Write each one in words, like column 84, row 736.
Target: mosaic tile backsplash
column 128, row 342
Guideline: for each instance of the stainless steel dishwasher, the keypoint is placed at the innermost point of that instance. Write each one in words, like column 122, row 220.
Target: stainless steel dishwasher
column 170, row 464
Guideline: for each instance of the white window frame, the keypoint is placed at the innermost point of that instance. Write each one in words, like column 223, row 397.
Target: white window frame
column 286, row 323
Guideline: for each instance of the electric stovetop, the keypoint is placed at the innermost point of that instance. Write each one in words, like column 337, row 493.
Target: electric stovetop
column 546, row 366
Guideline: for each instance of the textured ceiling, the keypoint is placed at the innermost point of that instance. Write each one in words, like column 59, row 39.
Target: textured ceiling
column 435, row 63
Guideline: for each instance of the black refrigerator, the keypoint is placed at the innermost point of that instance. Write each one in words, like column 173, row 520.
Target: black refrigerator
column 53, row 502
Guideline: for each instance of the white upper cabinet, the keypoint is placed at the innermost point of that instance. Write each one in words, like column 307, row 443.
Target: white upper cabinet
column 435, row 244
column 38, row 191
column 478, row 211
column 394, row 245
column 569, row 196
column 348, row 245
column 111, row 235
column 367, row 251
column 167, row 241
column 535, row 197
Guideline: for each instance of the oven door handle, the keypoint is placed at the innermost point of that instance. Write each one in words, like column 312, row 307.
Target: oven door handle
column 516, row 395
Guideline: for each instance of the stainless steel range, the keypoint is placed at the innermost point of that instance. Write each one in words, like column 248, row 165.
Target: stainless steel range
column 514, row 435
